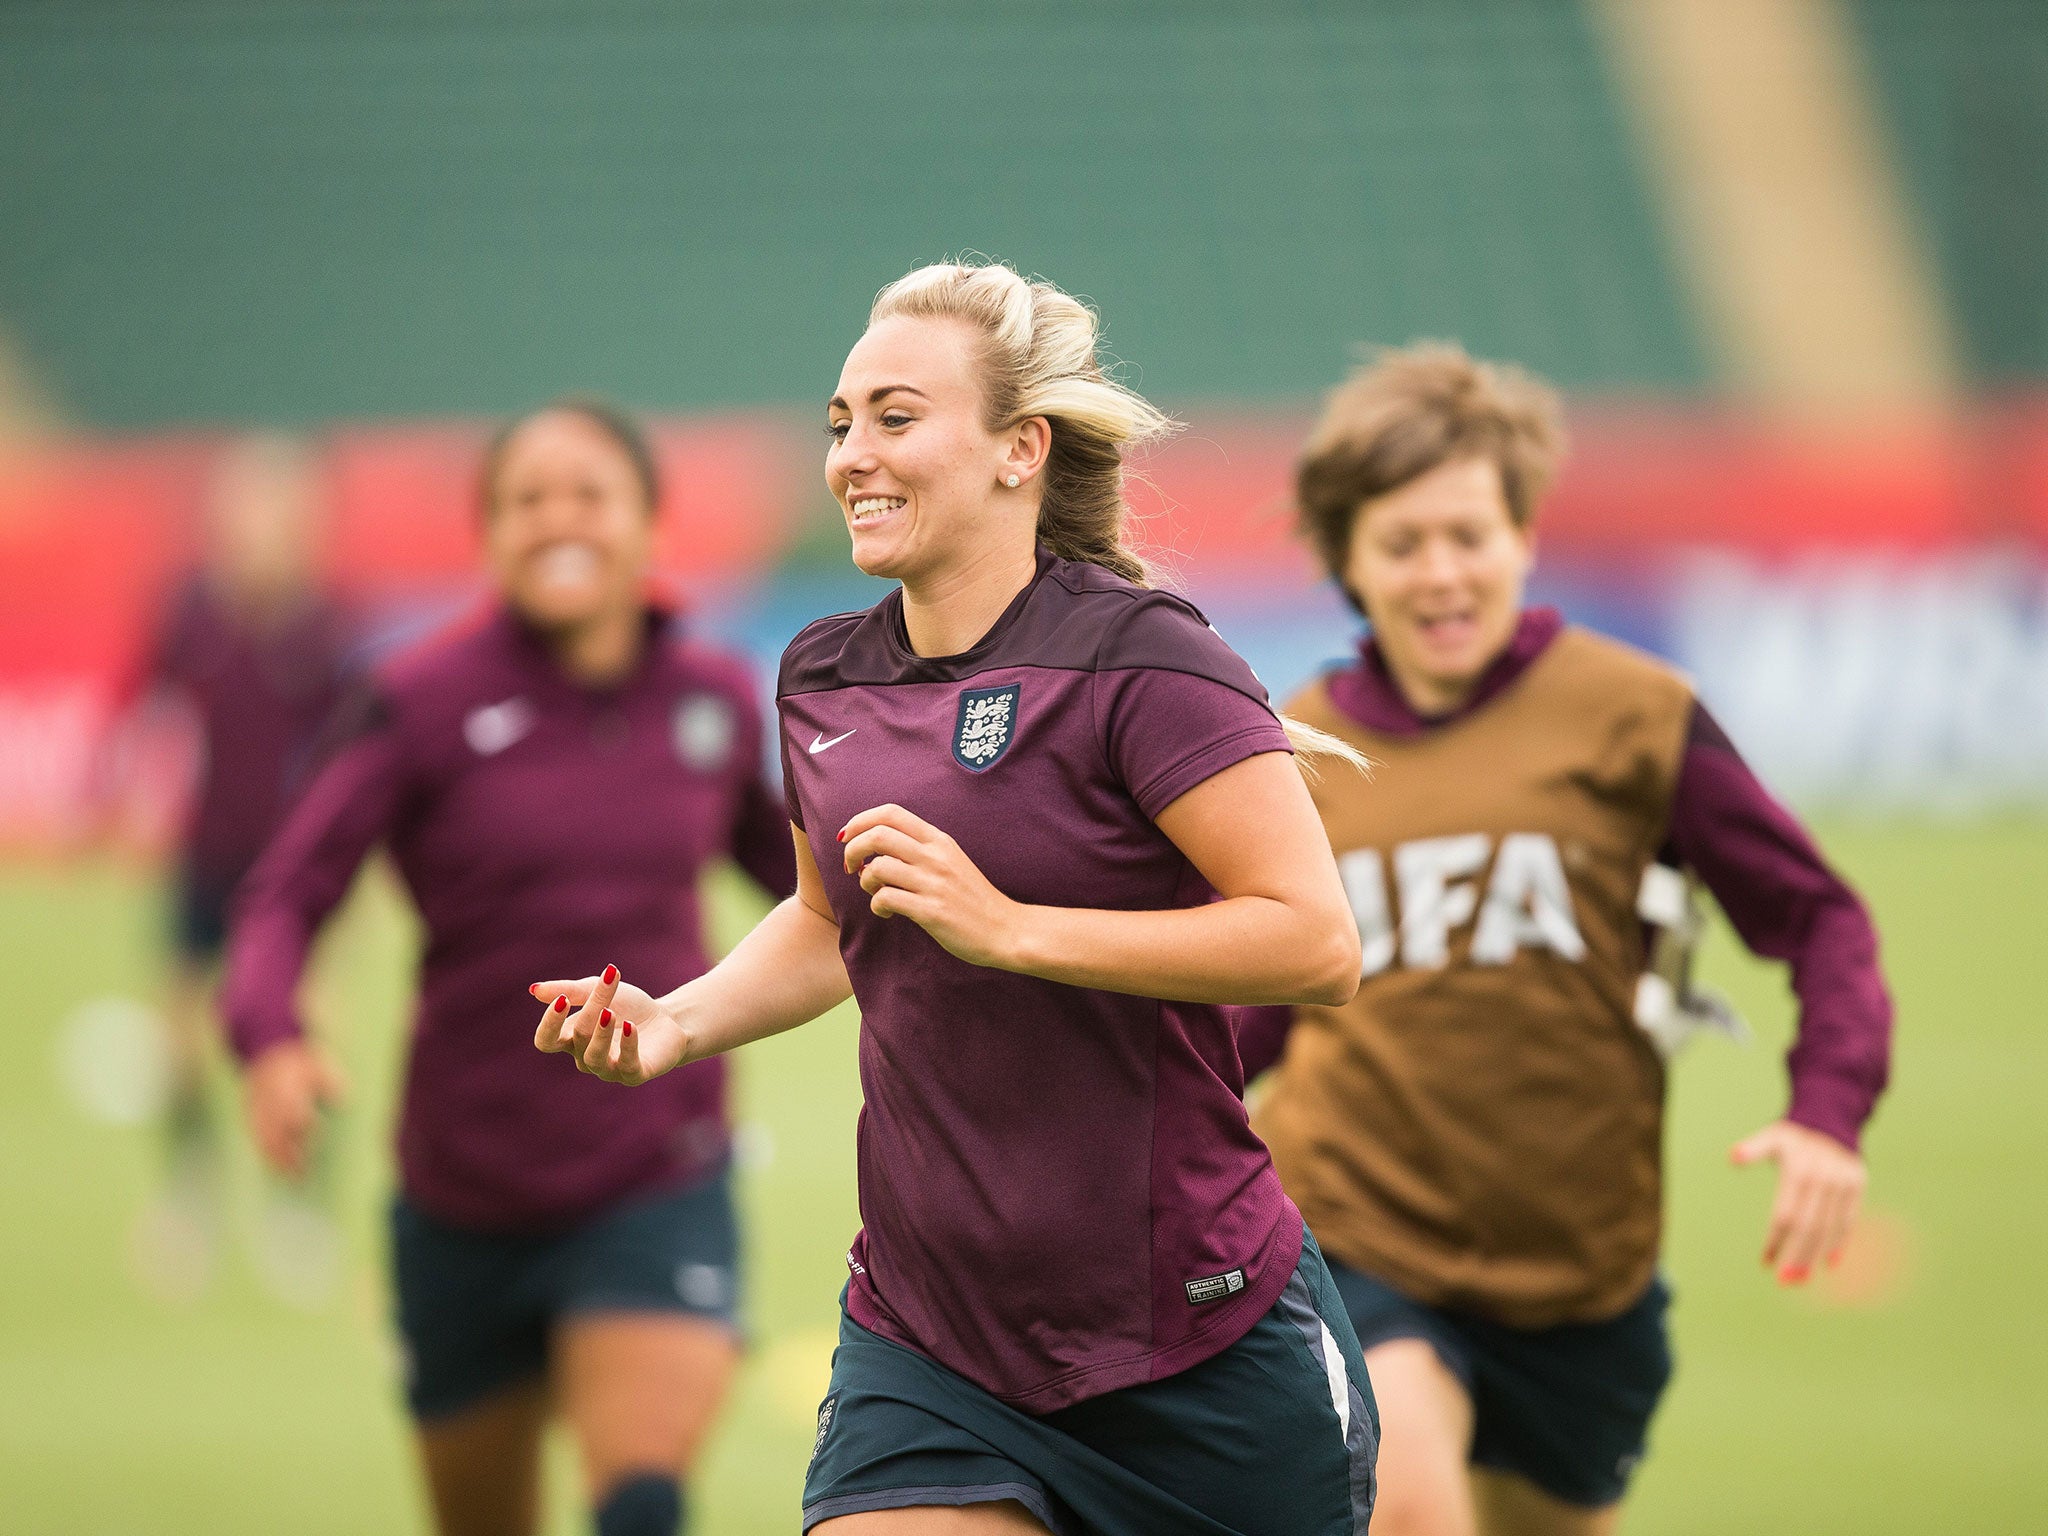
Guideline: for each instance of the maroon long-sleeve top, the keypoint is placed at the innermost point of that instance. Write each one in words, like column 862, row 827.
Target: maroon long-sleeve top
column 543, row 828
column 1758, row 861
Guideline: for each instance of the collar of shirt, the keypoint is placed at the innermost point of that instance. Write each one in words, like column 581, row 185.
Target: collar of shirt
column 532, row 653
column 1366, row 691
column 963, row 661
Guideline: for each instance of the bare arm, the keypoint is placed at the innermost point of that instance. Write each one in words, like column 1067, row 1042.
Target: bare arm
column 1281, row 933
column 785, row 973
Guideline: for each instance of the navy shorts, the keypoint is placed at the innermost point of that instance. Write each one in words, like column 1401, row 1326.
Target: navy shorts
column 1275, row 1436
column 1567, row 1407
column 475, row 1310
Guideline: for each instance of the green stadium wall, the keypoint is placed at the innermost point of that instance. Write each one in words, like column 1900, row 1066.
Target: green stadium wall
column 223, row 213
column 1962, row 86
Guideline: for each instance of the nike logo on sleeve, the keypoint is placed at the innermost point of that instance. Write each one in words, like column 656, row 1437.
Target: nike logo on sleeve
column 820, row 744
column 491, row 728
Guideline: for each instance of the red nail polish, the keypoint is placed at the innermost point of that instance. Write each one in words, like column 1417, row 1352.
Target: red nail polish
column 627, row 1029
column 604, row 1018
column 534, row 989
column 842, row 837
column 561, row 1005
column 611, row 974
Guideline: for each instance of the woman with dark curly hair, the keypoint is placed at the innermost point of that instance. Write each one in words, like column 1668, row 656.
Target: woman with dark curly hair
column 549, row 775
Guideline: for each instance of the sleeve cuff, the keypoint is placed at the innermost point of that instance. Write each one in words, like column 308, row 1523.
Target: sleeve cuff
column 1835, row 1106
column 1170, row 785
column 250, row 1038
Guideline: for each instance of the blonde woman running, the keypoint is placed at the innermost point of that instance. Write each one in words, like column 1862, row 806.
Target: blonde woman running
column 1046, row 824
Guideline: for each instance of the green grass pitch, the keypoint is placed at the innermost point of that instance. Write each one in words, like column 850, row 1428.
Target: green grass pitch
column 1910, row 1399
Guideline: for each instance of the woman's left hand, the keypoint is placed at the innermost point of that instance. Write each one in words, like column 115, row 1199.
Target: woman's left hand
column 1820, row 1186
column 909, row 868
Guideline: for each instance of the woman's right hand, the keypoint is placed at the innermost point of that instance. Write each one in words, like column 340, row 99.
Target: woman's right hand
column 610, row 1029
column 286, row 1088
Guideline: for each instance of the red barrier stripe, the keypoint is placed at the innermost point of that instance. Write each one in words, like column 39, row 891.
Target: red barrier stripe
column 1643, row 482
column 92, row 533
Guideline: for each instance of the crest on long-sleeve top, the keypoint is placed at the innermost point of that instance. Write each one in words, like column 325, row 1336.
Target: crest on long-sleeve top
column 987, row 722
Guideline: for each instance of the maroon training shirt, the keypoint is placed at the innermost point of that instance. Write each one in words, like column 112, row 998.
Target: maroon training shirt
column 1060, row 1193
column 261, row 694
column 544, row 829
column 1749, row 851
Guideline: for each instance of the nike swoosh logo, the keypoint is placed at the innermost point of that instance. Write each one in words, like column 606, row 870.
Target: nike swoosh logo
column 491, row 728
column 820, row 744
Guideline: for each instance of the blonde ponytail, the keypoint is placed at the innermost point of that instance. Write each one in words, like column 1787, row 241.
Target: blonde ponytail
column 1039, row 358
column 1312, row 745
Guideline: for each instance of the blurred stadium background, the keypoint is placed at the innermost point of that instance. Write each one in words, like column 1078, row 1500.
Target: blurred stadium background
column 1789, row 257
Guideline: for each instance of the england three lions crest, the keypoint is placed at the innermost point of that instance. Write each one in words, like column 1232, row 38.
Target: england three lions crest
column 988, row 719
column 703, row 729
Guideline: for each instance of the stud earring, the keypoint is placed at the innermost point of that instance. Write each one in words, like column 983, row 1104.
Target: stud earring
column 1012, row 482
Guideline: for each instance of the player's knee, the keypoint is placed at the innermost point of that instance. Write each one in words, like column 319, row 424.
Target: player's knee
column 1424, row 1487
column 642, row 1504
column 1420, row 1506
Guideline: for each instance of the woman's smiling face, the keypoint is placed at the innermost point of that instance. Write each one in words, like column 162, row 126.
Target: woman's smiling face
column 568, row 532
column 913, row 464
column 1439, row 566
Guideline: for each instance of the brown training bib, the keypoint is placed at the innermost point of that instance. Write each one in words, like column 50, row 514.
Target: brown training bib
column 1481, row 1126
